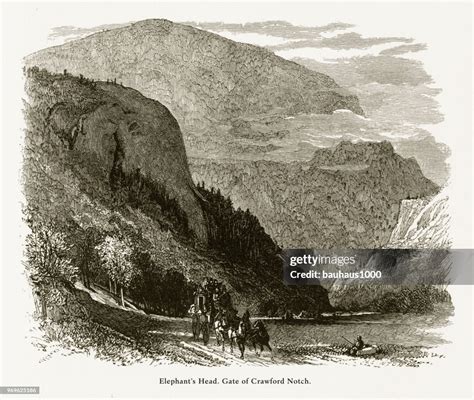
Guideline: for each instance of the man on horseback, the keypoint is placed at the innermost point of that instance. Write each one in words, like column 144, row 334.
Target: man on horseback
column 245, row 333
column 220, row 329
column 259, row 335
column 246, row 319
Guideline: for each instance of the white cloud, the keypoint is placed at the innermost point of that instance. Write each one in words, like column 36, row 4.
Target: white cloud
column 331, row 34
column 325, row 54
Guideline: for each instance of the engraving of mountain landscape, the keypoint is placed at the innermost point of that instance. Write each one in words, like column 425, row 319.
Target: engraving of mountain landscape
column 166, row 167
column 347, row 196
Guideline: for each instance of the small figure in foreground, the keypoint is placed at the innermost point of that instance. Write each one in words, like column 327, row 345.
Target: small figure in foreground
column 358, row 345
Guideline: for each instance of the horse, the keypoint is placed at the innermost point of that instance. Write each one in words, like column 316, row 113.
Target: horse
column 241, row 337
column 232, row 335
column 255, row 335
column 259, row 335
column 225, row 331
column 220, row 331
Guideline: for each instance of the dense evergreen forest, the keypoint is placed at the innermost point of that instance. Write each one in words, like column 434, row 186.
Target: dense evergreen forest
column 234, row 232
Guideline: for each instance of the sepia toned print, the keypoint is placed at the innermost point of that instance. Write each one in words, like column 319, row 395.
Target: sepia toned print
column 167, row 165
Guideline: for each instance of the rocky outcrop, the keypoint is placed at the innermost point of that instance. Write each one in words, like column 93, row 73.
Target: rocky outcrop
column 347, row 196
column 125, row 131
column 422, row 224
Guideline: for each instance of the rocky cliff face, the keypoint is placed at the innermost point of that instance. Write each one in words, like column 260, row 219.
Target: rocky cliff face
column 422, row 224
column 126, row 132
column 347, row 196
column 213, row 86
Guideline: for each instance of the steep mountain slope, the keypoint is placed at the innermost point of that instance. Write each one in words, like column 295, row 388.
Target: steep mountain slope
column 422, row 224
column 126, row 132
column 103, row 161
column 422, row 231
column 347, row 196
column 212, row 85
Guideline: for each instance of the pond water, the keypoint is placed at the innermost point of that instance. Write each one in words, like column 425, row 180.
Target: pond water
column 399, row 329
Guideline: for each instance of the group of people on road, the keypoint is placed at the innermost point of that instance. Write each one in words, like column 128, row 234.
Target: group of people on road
column 213, row 310
column 212, row 299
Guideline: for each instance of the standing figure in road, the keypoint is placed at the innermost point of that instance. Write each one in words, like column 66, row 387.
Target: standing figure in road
column 204, row 325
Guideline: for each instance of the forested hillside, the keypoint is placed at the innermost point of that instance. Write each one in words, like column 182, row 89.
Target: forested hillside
column 110, row 202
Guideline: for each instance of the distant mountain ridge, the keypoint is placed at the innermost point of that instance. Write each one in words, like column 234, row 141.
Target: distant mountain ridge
column 346, row 196
column 209, row 83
